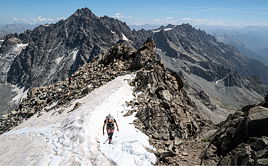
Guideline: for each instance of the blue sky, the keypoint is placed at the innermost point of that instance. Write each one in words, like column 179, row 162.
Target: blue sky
column 196, row 12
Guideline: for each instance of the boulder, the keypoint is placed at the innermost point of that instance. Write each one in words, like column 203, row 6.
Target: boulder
column 166, row 95
column 242, row 138
column 242, row 155
column 258, row 121
column 266, row 98
column 258, row 143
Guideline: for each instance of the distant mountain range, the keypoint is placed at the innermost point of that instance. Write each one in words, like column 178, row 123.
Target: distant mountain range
column 144, row 26
column 251, row 41
column 15, row 28
column 216, row 75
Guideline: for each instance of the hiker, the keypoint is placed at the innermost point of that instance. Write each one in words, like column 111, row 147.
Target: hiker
column 109, row 123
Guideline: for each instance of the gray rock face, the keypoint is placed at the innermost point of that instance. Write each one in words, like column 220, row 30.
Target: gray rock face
column 56, row 51
column 195, row 46
column 229, row 79
column 242, row 139
column 207, row 58
column 11, row 47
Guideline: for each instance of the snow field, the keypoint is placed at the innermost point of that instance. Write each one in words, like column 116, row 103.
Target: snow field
column 72, row 138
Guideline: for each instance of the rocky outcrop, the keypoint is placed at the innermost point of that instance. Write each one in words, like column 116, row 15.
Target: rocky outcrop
column 242, row 139
column 164, row 111
column 11, row 47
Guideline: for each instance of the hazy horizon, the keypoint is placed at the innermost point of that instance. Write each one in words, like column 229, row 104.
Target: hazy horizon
column 239, row 13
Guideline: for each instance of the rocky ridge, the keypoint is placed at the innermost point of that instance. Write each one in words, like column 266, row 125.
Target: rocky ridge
column 242, row 139
column 163, row 110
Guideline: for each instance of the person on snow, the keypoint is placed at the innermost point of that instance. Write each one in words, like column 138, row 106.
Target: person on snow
column 109, row 123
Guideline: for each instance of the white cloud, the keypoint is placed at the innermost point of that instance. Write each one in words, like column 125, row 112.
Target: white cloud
column 41, row 19
column 121, row 16
column 37, row 20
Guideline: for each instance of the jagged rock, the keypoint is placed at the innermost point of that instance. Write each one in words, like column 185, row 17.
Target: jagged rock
column 60, row 111
column 258, row 121
column 178, row 141
column 184, row 153
column 164, row 94
column 266, row 98
column 203, row 96
column 263, row 162
column 258, row 143
column 242, row 155
column 5, row 116
column 13, row 112
column 242, row 138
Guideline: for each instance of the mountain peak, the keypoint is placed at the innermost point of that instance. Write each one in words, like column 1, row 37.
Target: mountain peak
column 84, row 12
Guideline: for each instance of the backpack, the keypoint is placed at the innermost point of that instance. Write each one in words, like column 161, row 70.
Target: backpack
column 109, row 117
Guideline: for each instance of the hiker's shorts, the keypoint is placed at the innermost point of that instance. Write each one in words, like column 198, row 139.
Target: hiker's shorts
column 110, row 133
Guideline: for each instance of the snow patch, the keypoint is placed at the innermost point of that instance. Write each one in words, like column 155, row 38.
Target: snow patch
column 158, row 49
column 157, row 31
column 112, row 31
column 59, row 59
column 50, row 106
column 124, row 37
column 227, row 75
column 74, row 53
column 21, row 94
column 43, row 130
column 71, row 137
column 18, row 48
column 167, row 29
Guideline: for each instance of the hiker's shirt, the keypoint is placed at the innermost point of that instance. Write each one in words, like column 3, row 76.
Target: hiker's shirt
column 110, row 124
